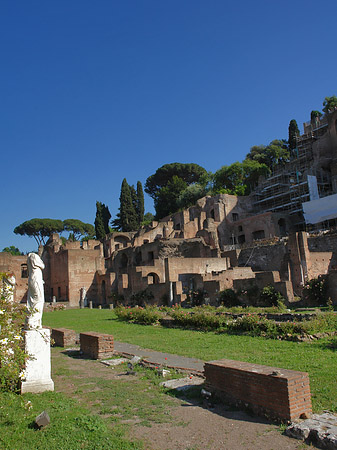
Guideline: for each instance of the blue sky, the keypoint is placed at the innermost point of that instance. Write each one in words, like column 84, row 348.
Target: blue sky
column 92, row 92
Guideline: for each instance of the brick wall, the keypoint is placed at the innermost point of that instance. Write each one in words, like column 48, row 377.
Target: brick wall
column 97, row 345
column 279, row 394
column 63, row 337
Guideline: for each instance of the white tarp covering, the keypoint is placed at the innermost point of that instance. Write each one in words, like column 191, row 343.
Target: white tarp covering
column 313, row 188
column 320, row 210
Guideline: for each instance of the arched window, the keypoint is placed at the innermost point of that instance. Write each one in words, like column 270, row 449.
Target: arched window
column 152, row 278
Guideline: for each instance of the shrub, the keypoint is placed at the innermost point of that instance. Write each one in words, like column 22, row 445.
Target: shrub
column 229, row 298
column 143, row 316
column 269, row 296
column 315, row 291
column 12, row 354
column 199, row 318
column 142, row 297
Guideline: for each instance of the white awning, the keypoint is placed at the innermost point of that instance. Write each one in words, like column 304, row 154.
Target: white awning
column 321, row 209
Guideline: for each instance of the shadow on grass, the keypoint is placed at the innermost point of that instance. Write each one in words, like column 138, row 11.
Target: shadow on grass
column 331, row 345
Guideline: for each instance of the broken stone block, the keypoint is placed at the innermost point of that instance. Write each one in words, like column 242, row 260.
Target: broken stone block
column 182, row 384
column 42, row 420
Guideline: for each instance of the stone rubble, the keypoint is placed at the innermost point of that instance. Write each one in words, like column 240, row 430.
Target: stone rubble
column 320, row 430
column 182, row 384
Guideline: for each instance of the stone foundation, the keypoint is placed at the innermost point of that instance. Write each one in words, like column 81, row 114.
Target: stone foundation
column 97, row 345
column 278, row 394
column 63, row 337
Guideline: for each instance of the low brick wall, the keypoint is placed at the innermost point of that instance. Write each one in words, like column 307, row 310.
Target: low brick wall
column 97, row 345
column 64, row 337
column 279, row 394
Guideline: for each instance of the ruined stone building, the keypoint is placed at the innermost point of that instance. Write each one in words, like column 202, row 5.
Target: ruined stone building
column 222, row 242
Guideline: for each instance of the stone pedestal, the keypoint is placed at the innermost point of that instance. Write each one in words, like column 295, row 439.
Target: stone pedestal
column 38, row 367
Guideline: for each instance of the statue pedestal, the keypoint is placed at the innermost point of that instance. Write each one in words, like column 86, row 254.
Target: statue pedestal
column 38, row 367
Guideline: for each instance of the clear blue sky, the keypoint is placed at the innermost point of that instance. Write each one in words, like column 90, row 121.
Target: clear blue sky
column 92, row 92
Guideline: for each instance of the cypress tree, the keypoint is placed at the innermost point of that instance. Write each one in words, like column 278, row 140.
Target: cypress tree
column 294, row 132
column 140, row 202
column 128, row 216
column 99, row 223
column 102, row 220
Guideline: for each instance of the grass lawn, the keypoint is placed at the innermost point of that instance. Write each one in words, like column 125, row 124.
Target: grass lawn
column 317, row 358
column 72, row 426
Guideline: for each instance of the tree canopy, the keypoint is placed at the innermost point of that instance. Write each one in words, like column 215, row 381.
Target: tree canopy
column 39, row 229
column 166, row 201
column 79, row 228
column 276, row 152
column 330, row 104
column 189, row 173
column 239, row 178
column 12, row 250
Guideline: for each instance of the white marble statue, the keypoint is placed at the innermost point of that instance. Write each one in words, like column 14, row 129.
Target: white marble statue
column 35, row 297
column 83, row 299
column 9, row 287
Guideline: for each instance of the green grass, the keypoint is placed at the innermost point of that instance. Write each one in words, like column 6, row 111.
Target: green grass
column 71, row 427
column 317, row 358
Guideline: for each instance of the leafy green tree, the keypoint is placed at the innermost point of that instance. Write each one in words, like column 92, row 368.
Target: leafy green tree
column 39, row 229
column 191, row 195
column 102, row 220
column 330, row 104
column 12, row 250
column 77, row 228
column 275, row 153
column 148, row 218
column 293, row 133
column 140, row 202
column 166, row 200
column 189, row 173
column 239, row 178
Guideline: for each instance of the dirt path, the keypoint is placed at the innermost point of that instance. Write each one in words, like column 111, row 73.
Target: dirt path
column 188, row 426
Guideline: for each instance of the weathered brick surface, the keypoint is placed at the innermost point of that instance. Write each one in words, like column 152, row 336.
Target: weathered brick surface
column 276, row 393
column 97, row 345
column 63, row 337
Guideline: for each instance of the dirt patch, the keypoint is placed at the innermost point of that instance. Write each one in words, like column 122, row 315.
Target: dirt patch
column 178, row 423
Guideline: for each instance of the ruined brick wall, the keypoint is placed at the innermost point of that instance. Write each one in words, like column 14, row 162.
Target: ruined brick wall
column 16, row 265
column 63, row 337
column 97, row 345
column 276, row 393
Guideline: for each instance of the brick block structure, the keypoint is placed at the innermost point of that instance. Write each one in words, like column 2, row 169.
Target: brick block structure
column 63, row 337
column 97, row 345
column 279, row 394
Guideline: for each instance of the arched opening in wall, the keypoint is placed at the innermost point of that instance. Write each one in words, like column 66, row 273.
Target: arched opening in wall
column 103, row 292
column 259, row 234
column 152, row 278
column 177, row 226
column 124, row 261
column 150, row 256
column 212, row 213
column 123, row 241
column 24, row 271
column 282, row 227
